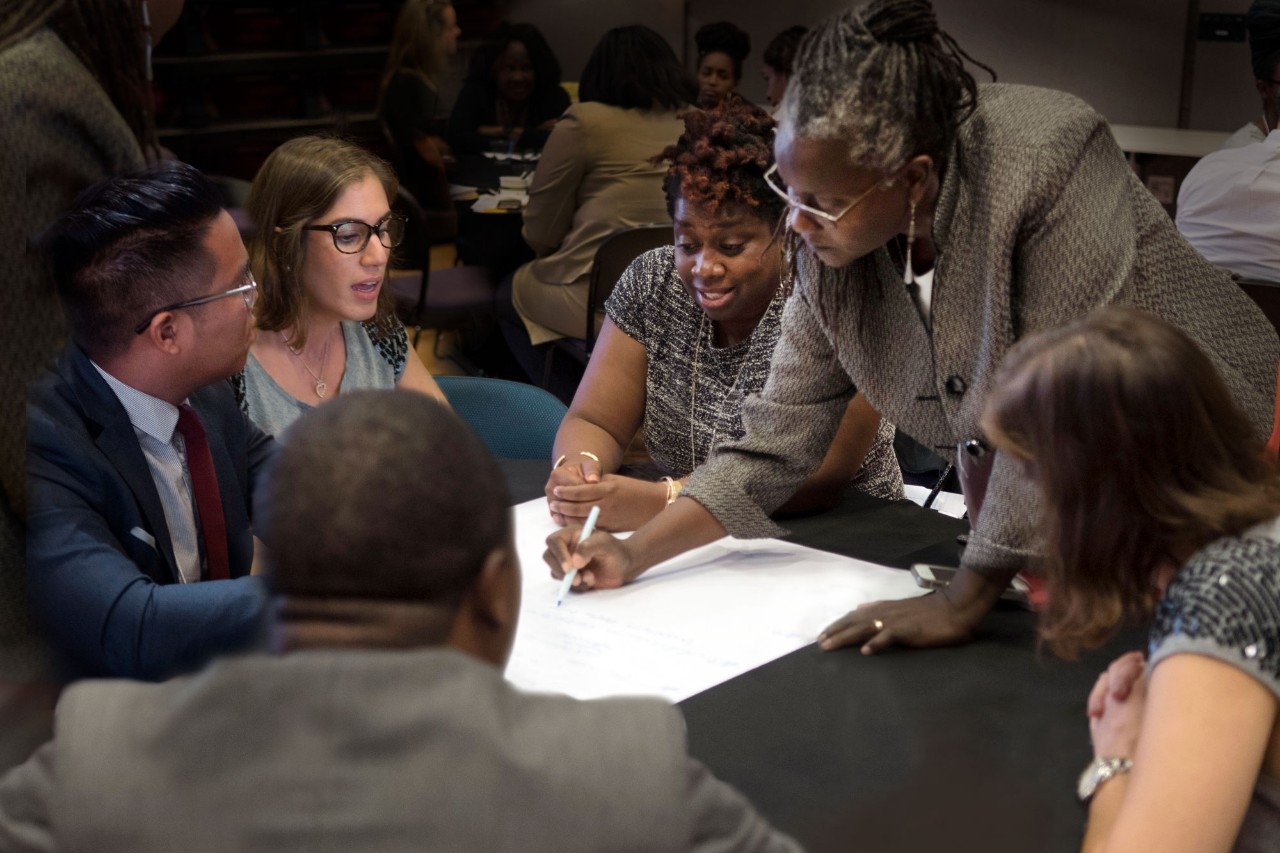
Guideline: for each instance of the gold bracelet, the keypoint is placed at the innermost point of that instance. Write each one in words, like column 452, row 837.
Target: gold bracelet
column 673, row 489
column 586, row 453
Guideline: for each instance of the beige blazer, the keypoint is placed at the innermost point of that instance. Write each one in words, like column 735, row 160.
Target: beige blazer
column 594, row 178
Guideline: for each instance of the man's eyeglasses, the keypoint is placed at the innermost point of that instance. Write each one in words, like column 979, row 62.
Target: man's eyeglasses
column 819, row 215
column 248, row 291
column 350, row 236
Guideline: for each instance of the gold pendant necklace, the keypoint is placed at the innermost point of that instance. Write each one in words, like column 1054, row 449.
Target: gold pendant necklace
column 321, row 386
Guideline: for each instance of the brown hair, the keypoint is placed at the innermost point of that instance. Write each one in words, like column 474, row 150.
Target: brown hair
column 296, row 185
column 721, row 159
column 1140, row 454
column 415, row 43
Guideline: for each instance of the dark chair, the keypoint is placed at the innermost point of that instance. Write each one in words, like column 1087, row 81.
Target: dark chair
column 1266, row 294
column 449, row 298
column 613, row 257
column 514, row 420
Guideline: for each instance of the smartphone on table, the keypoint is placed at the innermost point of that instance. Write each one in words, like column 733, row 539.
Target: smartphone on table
column 936, row 577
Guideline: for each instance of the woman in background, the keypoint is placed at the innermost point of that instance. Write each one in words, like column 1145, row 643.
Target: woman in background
column 512, row 95
column 689, row 334
column 1157, row 502
column 722, row 48
column 778, row 57
column 595, row 177
column 326, row 320
column 425, row 37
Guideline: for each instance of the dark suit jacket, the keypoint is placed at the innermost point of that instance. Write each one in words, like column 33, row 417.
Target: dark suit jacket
column 110, row 599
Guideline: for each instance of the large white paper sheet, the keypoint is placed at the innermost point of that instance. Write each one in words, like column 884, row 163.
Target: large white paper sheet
column 686, row 625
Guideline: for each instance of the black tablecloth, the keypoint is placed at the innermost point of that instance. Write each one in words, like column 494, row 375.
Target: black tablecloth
column 974, row 748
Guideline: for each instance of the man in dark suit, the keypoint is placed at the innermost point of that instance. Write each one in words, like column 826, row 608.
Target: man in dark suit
column 384, row 723
column 141, row 467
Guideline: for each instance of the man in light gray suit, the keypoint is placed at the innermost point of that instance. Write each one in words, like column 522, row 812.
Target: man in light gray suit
column 382, row 722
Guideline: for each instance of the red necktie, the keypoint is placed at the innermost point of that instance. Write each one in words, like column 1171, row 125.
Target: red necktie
column 204, row 483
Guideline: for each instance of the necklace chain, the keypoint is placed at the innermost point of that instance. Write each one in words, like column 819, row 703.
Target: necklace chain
column 322, row 387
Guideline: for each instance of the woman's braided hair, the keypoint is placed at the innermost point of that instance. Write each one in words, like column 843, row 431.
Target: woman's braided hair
column 721, row 158
column 885, row 78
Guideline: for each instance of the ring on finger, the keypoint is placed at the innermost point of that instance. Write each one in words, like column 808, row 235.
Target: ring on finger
column 878, row 625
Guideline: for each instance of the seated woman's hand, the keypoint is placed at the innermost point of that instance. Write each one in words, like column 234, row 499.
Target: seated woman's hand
column 581, row 471
column 625, row 502
column 1115, row 707
column 603, row 562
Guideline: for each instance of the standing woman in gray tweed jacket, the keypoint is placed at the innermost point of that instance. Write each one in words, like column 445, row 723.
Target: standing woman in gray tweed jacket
column 935, row 223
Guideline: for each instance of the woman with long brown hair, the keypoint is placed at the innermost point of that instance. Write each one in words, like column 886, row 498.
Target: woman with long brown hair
column 1157, row 506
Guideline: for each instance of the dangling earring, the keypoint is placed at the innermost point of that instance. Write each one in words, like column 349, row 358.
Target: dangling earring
column 908, row 275
column 146, row 37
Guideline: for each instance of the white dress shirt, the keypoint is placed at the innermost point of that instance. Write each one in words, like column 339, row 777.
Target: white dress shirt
column 154, row 423
column 1229, row 208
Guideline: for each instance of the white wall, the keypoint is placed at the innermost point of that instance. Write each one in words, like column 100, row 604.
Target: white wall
column 1123, row 56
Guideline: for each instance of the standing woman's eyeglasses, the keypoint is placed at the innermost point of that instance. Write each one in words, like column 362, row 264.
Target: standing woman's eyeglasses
column 351, row 236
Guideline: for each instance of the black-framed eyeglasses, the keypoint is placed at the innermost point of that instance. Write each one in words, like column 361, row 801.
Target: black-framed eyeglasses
column 820, row 216
column 248, row 291
column 351, row 236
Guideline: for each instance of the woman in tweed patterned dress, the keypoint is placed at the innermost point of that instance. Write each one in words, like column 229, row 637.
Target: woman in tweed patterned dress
column 689, row 334
column 1005, row 210
column 1159, row 507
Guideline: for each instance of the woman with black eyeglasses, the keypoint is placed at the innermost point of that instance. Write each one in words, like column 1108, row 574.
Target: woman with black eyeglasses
column 326, row 321
column 934, row 223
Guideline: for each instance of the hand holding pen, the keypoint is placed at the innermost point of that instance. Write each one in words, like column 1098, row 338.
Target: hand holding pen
column 587, row 560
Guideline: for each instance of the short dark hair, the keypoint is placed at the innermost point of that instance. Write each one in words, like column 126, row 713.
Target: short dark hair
column 382, row 495
column 780, row 53
column 1263, row 24
column 727, row 38
column 634, row 68
column 721, row 159
column 546, row 68
column 129, row 245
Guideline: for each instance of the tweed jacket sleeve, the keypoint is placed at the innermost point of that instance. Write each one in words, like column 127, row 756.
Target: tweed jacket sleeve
column 789, row 426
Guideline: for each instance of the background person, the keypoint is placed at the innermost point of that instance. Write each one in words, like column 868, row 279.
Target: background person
column 689, row 335
column 722, row 48
column 1157, row 506
column 425, row 38
column 595, row 177
column 935, row 224
column 75, row 110
column 387, row 687
column 321, row 252
column 1262, row 23
column 512, row 95
column 776, row 63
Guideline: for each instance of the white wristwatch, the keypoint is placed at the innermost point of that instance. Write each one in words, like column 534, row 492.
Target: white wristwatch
column 1099, row 771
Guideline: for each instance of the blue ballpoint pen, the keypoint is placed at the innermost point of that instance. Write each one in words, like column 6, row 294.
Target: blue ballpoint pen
column 587, row 530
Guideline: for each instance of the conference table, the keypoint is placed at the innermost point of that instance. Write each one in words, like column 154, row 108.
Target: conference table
column 971, row 748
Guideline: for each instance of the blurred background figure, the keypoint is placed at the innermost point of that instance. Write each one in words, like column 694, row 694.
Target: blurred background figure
column 425, row 38
column 596, row 177
column 722, row 48
column 1263, row 25
column 325, row 315
column 76, row 109
column 776, row 63
column 512, row 95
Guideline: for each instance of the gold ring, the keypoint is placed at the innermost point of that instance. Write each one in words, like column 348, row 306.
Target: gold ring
column 879, row 626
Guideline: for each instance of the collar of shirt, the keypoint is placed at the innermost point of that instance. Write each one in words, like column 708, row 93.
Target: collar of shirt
column 151, row 415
